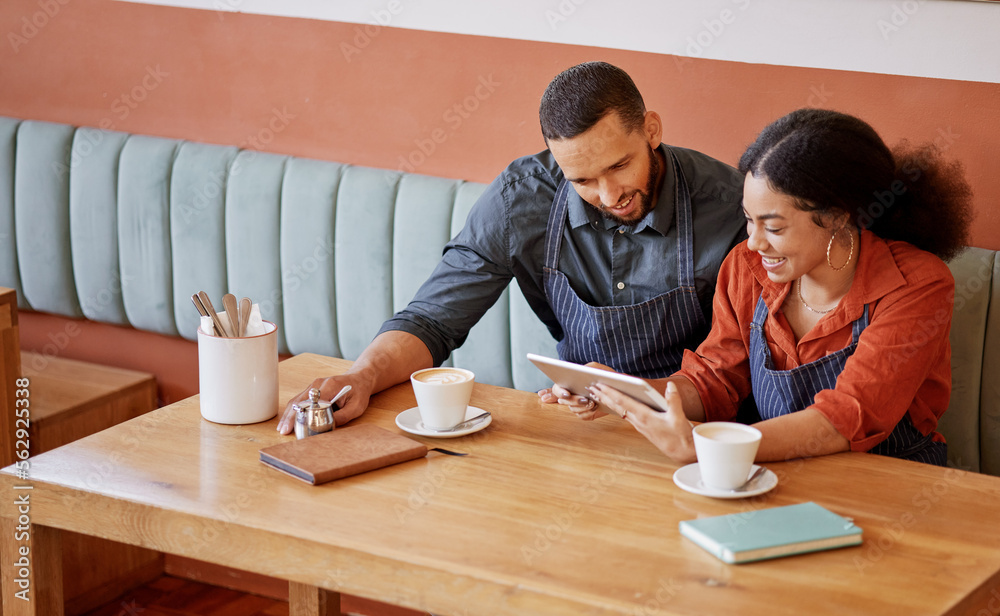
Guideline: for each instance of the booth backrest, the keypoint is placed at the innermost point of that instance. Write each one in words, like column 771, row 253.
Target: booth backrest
column 123, row 229
column 972, row 423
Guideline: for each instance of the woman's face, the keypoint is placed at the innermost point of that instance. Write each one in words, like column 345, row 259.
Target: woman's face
column 788, row 240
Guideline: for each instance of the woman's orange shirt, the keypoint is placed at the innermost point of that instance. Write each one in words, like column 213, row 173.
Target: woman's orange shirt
column 902, row 363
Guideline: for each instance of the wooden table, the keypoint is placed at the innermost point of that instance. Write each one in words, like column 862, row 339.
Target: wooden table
column 548, row 515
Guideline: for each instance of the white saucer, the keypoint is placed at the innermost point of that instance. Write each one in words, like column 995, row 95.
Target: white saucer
column 409, row 421
column 688, row 478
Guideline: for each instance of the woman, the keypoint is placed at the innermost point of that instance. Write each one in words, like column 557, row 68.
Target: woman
column 835, row 313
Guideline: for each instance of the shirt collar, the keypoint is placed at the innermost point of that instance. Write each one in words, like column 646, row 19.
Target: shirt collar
column 660, row 219
column 876, row 276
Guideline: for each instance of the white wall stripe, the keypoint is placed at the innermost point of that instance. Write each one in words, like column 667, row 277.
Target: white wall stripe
column 947, row 39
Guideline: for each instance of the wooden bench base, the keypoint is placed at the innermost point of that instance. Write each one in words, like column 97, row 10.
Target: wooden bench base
column 72, row 399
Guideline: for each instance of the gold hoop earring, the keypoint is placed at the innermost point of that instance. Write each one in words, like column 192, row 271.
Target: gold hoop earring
column 829, row 246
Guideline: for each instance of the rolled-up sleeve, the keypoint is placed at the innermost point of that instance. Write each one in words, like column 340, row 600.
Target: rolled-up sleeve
column 719, row 368
column 472, row 274
column 902, row 362
column 462, row 288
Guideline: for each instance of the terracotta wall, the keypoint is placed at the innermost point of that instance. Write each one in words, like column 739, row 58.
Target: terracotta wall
column 440, row 104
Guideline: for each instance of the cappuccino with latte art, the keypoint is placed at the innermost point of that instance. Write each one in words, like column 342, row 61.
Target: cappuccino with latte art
column 442, row 376
column 442, row 395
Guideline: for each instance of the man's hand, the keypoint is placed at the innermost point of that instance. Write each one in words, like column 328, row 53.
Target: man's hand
column 352, row 405
column 582, row 406
column 388, row 360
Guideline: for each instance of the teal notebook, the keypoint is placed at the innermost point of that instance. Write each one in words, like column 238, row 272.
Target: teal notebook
column 770, row 533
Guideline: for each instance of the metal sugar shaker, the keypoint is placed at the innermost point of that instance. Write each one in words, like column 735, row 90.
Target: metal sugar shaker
column 313, row 418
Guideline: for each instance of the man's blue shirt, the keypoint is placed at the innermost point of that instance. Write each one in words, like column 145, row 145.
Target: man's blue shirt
column 607, row 264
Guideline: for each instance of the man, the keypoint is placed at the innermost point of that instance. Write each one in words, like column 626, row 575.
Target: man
column 614, row 238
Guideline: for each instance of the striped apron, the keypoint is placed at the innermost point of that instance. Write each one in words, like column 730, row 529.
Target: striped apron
column 646, row 339
column 779, row 392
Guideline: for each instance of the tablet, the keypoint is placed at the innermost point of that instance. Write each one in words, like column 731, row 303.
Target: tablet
column 577, row 378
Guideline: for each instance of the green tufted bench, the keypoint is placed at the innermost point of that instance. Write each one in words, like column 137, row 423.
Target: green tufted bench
column 972, row 423
column 124, row 228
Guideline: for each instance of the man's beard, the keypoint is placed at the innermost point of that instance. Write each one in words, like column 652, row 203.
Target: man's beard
column 646, row 201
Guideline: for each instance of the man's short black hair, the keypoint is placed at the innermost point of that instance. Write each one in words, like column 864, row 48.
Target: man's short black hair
column 579, row 97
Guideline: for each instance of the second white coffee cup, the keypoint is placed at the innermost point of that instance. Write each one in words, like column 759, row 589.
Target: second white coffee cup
column 726, row 452
column 442, row 395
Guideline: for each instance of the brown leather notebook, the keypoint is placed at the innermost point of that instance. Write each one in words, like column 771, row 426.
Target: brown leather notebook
column 341, row 453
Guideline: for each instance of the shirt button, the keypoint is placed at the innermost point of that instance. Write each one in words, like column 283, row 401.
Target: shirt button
column 620, row 231
column 621, row 285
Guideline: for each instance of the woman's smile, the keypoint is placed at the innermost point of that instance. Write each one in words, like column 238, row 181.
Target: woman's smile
column 772, row 263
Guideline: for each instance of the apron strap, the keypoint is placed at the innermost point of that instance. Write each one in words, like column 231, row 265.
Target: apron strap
column 556, row 223
column 683, row 218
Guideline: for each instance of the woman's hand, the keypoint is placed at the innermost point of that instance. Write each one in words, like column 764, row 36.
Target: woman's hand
column 670, row 431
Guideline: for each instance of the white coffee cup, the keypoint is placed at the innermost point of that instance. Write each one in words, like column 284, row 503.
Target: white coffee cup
column 238, row 377
column 442, row 395
column 725, row 453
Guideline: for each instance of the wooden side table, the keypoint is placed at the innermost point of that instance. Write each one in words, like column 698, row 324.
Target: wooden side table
column 72, row 399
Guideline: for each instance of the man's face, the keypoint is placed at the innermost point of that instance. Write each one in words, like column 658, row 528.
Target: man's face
column 616, row 171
